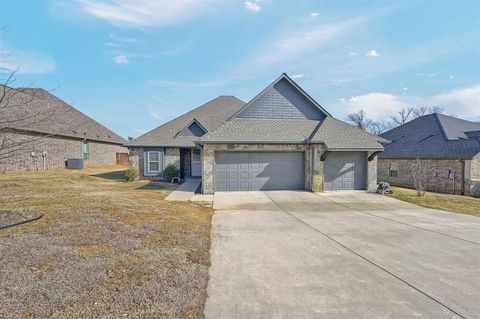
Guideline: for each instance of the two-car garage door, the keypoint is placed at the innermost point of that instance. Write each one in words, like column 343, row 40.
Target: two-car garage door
column 244, row 171
column 248, row 171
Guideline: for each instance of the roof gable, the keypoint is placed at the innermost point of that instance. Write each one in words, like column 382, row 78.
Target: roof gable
column 194, row 128
column 209, row 116
column 282, row 99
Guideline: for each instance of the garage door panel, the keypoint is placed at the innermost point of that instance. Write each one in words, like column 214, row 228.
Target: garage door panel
column 259, row 171
column 345, row 171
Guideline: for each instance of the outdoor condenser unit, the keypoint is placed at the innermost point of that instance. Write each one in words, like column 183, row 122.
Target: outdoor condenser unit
column 75, row 163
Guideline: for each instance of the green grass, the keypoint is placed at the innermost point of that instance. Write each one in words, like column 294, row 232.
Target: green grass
column 453, row 203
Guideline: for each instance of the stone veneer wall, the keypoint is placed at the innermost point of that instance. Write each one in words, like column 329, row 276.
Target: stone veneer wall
column 171, row 155
column 372, row 174
column 437, row 179
column 59, row 149
column 472, row 176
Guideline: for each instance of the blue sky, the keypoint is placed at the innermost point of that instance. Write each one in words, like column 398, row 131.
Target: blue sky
column 133, row 65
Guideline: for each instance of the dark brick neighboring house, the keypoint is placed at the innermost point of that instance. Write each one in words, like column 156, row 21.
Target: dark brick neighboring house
column 450, row 146
column 39, row 131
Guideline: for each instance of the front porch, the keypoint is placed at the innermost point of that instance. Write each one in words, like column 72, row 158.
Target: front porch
column 190, row 163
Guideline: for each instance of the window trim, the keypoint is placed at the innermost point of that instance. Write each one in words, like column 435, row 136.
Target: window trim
column 86, row 146
column 393, row 169
column 146, row 170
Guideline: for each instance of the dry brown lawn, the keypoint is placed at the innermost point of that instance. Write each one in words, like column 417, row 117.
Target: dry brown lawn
column 104, row 248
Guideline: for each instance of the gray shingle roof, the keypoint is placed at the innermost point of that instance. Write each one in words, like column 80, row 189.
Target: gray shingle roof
column 336, row 134
column 432, row 136
column 261, row 131
column 42, row 112
column 210, row 115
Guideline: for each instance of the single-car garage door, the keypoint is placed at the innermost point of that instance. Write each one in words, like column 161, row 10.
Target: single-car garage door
column 345, row 170
column 248, row 171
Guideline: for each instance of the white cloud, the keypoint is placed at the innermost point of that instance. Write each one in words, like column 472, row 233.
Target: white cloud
column 155, row 113
column 120, row 59
column 377, row 105
column 290, row 44
column 252, row 6
column 297, row 76
column 25, row 62
column 462, row 102
column 372, row 53
column 314, row 14
column 146, row 13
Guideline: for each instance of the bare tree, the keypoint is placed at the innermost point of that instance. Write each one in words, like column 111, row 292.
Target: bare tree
column 359, row 119
column 424, row 110
column 419, row 173
column 403, row 116
column 379, row 127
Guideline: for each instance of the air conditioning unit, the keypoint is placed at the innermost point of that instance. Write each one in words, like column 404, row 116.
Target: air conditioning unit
column 75, row 163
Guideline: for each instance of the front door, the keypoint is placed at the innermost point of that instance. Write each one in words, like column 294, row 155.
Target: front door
column 196, row 162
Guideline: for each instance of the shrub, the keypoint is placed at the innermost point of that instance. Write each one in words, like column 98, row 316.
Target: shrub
column 170, row 172
column 132, row 174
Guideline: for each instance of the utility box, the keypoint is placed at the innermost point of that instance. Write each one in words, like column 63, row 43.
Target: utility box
column 75, row 163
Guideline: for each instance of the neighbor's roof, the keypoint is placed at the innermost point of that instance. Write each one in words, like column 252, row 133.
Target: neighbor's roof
column 36, row 110
column 336, row 134
column 261, row 131
column 433, row 136
column 210, row 116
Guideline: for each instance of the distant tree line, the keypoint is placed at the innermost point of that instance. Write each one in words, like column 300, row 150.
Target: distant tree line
column 361, row 120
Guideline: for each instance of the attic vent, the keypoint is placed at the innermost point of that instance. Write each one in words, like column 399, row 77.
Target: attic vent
column 426, row 138
column 74, row 131
column 109, row 136
column 398, row 138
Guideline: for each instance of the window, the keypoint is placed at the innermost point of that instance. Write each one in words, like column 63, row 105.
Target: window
column 85, row 151
column 153, row 162
column 393, row 170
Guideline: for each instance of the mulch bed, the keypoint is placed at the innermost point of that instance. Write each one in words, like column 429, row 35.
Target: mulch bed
column 9, row 218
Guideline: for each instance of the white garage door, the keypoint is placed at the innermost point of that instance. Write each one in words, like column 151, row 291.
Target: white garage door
column 238, row 171
column 345, row 170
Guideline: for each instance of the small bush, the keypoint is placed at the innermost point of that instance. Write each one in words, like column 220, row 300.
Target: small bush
column 132, row 174
column 170, row 172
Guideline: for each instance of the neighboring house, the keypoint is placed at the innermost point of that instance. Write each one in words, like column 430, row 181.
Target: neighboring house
column 281, row 139
column 448, row 145
column 39, row 131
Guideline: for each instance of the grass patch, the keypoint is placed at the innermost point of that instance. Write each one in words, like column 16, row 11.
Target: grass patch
column 453, row 203
column 104, row 248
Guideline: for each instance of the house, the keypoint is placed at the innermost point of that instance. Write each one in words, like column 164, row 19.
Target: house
column 450, row 147
column 39, row 131
column 281, row 139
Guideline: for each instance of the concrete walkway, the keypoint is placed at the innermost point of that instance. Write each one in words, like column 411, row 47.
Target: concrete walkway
column 185, row 191
column 340, row 255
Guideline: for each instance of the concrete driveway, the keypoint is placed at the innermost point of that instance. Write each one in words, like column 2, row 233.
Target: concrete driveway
column 287, row 254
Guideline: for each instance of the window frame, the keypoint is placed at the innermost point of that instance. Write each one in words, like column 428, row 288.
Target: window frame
column 393, row 170
column 85, row 155
column 147, row 171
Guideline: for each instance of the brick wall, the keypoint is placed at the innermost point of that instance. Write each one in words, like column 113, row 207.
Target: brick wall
column 58, row 149
column 437, row 181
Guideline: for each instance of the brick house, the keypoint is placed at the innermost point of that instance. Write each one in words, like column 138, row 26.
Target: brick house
column 39, row 131
column 449, row 146
column 281, row 139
